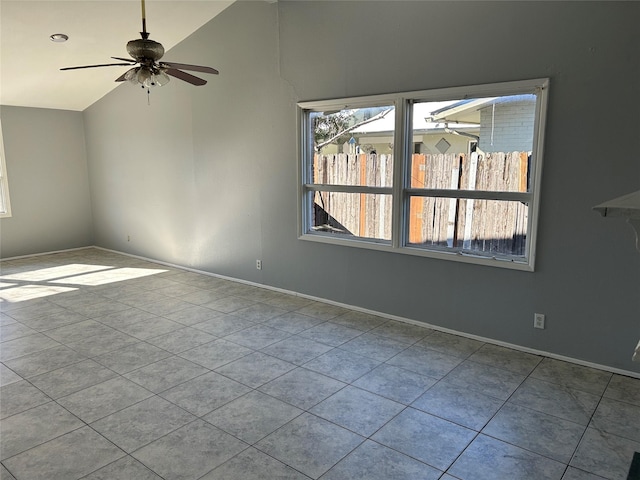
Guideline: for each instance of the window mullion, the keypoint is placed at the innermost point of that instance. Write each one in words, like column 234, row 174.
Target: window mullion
column 401, row 156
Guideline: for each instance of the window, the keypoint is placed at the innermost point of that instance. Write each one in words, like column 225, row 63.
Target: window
column 449, row 173
column 5, row 205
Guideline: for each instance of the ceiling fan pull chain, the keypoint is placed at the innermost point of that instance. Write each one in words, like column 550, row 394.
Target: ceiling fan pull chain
column 148, row 96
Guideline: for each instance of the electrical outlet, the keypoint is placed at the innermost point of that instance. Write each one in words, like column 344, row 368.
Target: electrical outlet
column 258, row 264
column 538, row 320
column 128, row 238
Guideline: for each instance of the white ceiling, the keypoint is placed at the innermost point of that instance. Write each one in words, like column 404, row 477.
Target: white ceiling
column 30, row 62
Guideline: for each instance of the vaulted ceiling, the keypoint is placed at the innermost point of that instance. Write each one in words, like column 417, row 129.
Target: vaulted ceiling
column 30, row 62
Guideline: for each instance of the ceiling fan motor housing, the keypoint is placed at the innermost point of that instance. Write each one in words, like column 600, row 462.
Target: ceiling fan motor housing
column 145, row 49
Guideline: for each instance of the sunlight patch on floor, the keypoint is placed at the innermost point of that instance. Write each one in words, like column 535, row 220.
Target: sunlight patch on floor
column 43, row 282
column 30, row 292
column 110, row 276
column 51, row 273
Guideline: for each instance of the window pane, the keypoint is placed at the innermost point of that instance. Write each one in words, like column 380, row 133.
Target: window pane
column 474, row 144
column 357, row 214
column 491, row 227
column 359, row 130
column 362, row 169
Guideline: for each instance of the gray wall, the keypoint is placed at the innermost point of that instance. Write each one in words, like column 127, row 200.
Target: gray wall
column 200, row 177
column 206, row 177
column 48, row 182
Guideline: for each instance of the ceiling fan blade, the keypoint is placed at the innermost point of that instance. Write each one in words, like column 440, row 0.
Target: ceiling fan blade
column 124, row 59
column 187, row 77
column 193, row 68
column 94, row 66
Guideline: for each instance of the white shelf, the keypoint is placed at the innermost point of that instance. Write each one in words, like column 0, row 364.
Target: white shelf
column 627, row 206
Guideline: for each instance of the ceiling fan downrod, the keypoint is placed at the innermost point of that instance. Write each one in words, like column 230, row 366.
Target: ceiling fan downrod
column 144, row 34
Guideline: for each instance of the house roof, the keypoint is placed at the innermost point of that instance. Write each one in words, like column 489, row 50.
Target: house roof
column 462, row 111
column 421, row 120
column 440, row 116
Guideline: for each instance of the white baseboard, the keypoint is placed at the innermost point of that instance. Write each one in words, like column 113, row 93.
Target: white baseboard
column 491, row 341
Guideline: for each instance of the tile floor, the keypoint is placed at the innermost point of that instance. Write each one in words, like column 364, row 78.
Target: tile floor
column 117, row 368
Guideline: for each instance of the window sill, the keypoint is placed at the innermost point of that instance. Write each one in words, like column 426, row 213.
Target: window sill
column 524, row 265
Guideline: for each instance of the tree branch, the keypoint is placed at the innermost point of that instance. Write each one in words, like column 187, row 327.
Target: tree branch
column 353, row 127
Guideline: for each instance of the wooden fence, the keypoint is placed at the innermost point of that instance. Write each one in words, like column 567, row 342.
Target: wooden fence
column 478, row 225
column 363, row 215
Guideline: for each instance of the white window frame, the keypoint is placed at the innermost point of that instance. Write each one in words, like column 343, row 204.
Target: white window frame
column 4, row 183
column 400, row 192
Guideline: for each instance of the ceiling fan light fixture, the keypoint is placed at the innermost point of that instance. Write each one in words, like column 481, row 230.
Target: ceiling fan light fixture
column 132, row 75
column 59, row 37
column 144, row 76
column 147, row 77
column 160, row 78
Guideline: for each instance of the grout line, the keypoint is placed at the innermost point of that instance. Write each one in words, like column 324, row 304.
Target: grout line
column 350, row 383
column 391, row 317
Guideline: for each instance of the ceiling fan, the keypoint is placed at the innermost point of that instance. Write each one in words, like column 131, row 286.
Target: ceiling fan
column 147, row 71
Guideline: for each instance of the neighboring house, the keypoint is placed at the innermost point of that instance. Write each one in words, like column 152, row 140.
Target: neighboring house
column 506, row 123
column 503, row 124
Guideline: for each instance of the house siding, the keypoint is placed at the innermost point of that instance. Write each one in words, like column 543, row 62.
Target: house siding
column 508, row 128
